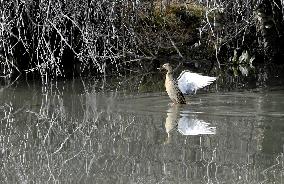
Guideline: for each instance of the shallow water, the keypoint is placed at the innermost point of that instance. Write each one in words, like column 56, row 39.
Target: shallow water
column 67, row 134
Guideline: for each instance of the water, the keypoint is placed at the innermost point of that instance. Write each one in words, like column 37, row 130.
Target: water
column 68, row 133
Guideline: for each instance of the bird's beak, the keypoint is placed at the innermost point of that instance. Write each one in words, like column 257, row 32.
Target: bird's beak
column 159, row 68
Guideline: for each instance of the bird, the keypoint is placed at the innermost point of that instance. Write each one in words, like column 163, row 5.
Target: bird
column 188, row 82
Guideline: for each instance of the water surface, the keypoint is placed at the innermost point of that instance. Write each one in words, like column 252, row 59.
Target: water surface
column 68, row 134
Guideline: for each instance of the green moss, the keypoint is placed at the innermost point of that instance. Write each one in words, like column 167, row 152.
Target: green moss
column 188, row 15
column 178, row 24
column 175, row 17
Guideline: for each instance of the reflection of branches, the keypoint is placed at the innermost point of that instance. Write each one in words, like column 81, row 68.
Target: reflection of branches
column 49, row 166
column 72, row 157
column 55, row 138
column 279, row 164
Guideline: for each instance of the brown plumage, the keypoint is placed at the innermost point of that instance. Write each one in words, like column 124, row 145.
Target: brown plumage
column 172, row 87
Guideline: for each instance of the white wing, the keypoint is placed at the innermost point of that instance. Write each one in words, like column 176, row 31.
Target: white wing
column 189, row 82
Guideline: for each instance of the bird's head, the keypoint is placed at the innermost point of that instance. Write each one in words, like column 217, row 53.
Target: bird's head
column 167, row 66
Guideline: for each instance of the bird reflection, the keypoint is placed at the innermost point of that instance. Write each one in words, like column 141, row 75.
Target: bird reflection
column 185, row 124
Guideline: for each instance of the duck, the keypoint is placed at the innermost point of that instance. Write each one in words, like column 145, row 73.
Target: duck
column 187, row 83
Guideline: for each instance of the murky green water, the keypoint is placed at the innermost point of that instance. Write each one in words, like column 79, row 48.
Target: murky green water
column 63, row 133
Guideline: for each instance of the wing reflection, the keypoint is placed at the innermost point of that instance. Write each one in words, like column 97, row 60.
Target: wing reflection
column 186, row 124
column 192, row 126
